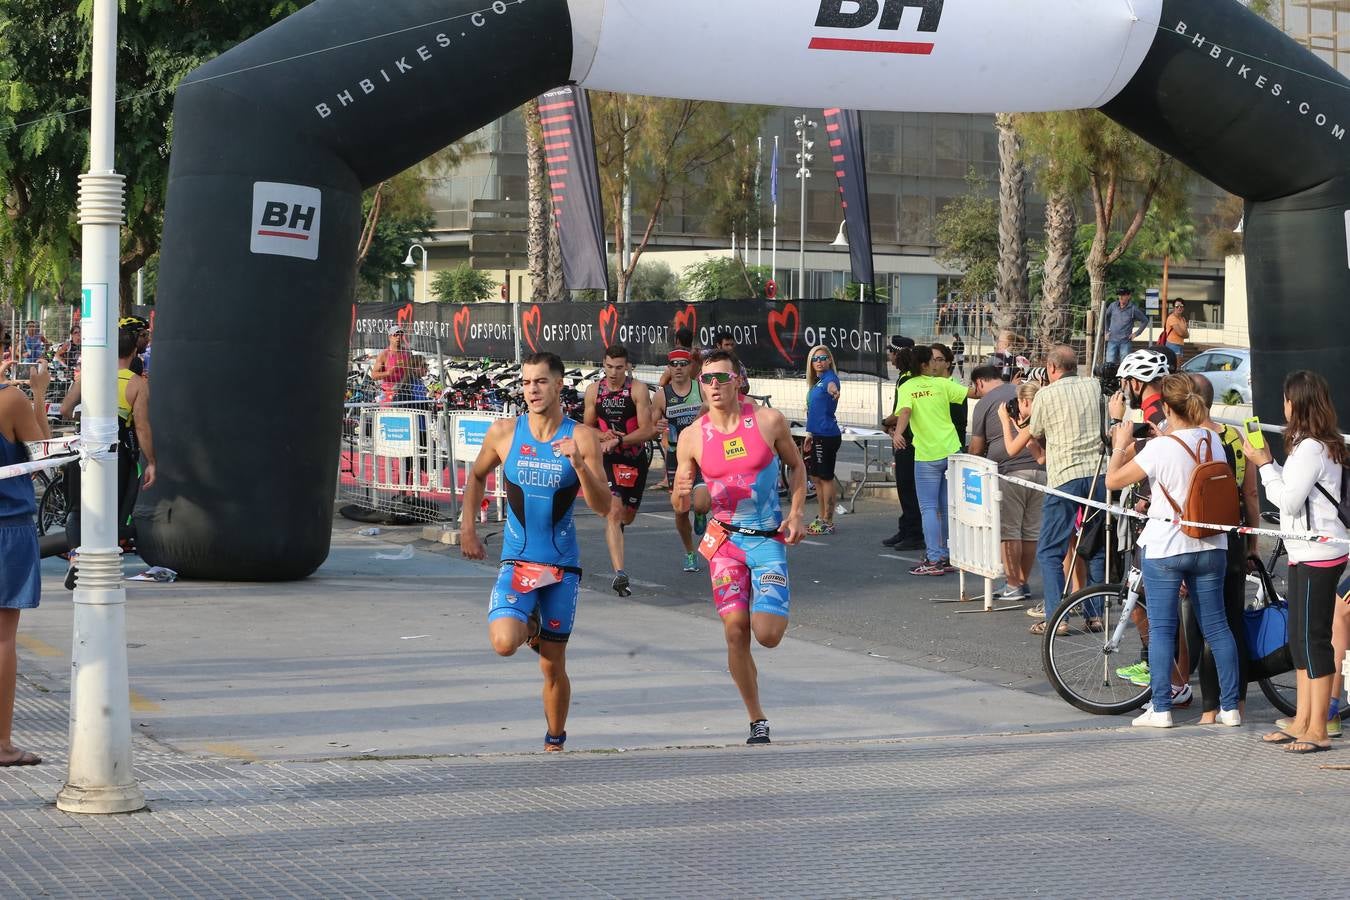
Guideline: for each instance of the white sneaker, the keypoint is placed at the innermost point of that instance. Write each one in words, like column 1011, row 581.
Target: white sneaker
column 1152, row 719
column 1230, row 717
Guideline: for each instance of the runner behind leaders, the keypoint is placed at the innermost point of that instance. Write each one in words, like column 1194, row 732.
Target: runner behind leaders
column 676, row 407
column 621, row 409
column 548, row 458
column 736, row 447
column 824, row 436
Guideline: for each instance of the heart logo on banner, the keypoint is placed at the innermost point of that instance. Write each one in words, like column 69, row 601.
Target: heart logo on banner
column 609, row 324
column 405, row 315
column 462, row 327
column 778, row 320
column 531, row 324
column 687, row 319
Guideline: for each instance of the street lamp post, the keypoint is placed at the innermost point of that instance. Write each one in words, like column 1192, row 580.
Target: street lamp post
column 99, row 777
column 426, row 292
column 804, row 157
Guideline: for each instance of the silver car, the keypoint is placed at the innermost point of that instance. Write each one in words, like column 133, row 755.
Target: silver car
column 1229, row 369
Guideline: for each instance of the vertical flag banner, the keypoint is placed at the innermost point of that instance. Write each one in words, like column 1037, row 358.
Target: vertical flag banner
column 843, row 127
column 574, row 182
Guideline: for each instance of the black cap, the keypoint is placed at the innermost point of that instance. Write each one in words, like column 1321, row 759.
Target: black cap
column 1124, row 290
column 900, row 342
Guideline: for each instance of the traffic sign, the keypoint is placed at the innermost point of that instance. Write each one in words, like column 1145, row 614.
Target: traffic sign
column 486, row 244
column 506, row 261
column 501, row 207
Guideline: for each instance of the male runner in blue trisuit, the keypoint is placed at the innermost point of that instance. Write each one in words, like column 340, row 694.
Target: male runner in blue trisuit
column 547, row 459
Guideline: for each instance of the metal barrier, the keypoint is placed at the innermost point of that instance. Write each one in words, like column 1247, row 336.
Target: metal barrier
column 466, row 432
column 974, row 540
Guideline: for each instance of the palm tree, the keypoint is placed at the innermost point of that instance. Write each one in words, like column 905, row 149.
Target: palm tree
column 537, row 225
column 1012, row 224
column 1056, row 289
column 1167, row 237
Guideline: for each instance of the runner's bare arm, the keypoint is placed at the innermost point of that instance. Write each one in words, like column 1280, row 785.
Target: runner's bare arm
column 686, row 452
column 585, row 457
column 489, row 458
column 646, row 430
column 659, row 416
column 138, row 395
column 591, row 418
column 775, row 429
column 71, row 400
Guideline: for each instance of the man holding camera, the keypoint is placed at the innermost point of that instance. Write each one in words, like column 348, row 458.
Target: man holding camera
column 1020, row 508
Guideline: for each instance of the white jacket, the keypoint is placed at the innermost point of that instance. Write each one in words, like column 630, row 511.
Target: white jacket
column 1291, row 488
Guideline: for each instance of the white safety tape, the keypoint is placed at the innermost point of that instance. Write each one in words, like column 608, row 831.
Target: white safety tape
column 99, row 439
column 37, row 465
column 1174, row 520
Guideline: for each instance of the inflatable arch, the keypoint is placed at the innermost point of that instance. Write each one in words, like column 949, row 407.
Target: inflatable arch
column 275, row 140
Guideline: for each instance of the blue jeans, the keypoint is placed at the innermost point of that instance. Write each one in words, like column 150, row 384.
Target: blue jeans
column 1203, row 574
column 930, row 482
column 1177, row 348
column 1117, row 350
column 1057, row 518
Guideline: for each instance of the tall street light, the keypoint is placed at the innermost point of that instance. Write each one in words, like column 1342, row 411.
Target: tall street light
column 804, row 157
column 408, row 261
column 99, row 777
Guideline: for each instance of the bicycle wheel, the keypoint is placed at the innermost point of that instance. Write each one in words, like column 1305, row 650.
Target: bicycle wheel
column 1081, row 664
column 52, row 508
column 1280, row 691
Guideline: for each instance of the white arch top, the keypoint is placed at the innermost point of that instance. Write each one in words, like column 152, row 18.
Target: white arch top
column 912, row 55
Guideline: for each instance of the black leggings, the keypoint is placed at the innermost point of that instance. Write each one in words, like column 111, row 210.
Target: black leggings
column 1312, row 605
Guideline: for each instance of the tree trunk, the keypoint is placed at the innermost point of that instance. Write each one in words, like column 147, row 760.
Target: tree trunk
column 1056, row 290
column 1012, row 226
column 537, row 227
column 557, row 287
column 1167, row 264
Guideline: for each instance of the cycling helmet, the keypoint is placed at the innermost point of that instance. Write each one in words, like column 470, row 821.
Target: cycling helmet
column 1144, row 365
column 132, row 322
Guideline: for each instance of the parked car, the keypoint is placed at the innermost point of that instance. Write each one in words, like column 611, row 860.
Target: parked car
column 1229, row 369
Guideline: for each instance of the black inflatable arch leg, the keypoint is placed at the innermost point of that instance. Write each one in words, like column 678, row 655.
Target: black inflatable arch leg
column 274, row 142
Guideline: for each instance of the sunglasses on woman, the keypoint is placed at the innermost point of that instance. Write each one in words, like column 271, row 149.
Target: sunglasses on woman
column 716, row 377
column 816, row 359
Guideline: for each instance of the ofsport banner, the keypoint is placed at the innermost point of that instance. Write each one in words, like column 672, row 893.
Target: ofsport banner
column 769, row 335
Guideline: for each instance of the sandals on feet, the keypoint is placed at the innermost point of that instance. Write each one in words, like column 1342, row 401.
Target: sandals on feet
column 24, row 758
column 1041, row 626
column 1094, row 624
column 1278, row 737
column 1301, row 747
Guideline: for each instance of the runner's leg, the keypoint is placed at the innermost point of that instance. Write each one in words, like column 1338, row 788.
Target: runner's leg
column 557, row 686
column 508, row 613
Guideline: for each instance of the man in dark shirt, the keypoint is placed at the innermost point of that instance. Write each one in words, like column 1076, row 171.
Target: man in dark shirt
column 909, row 534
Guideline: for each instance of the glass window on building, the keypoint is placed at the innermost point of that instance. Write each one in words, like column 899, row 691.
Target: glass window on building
column 916, row 220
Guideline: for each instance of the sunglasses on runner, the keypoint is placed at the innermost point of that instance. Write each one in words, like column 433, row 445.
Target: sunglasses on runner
column 820, row 359
column 681, row 363
column 716, row 377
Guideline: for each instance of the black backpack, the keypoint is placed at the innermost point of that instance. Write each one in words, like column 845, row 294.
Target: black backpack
column 1342, row 503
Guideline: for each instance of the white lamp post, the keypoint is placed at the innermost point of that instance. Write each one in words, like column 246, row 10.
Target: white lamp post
column 99, row 777
column 408, row 261
column 804, row 157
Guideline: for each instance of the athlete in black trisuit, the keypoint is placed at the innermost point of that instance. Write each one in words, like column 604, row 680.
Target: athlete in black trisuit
column 621, row 408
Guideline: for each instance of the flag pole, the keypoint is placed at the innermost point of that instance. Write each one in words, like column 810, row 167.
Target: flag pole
column 773, row 245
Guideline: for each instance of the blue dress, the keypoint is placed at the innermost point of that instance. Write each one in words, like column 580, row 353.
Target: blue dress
column 20, row 578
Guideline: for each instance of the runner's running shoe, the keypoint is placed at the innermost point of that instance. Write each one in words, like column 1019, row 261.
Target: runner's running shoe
column 620, row 584
column 820, row 526
column 691, row 562
column 533, row 626
column 759, row 732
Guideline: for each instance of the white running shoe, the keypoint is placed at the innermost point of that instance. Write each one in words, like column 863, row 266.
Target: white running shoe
column 1152, row 719
column 1230, row 717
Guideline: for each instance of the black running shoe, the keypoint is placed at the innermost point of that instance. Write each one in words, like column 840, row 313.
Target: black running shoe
column 72, row 574
column 620, row 584
column 759, row 732
column 533, row 626
column 893, row 539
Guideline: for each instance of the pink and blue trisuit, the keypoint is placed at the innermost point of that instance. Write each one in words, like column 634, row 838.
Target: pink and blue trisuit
column 749, row 569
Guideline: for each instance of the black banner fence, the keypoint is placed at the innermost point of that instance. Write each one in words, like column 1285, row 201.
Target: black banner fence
column 769, row 335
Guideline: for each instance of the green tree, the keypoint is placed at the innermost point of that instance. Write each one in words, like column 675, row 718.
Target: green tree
column 44, row 82
column 396, row 217
column 1085, row 152
column 724, row 278
column 661, row 150
column 1131, row 270
column 462, row 284
column 1168, row 238
column 967, row 234
column 652, row 280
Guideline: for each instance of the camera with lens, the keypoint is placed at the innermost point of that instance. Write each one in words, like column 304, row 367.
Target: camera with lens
column 1106, row 376
column 1014, row 409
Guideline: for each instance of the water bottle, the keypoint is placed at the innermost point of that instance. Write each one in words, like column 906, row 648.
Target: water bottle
column 482, row 511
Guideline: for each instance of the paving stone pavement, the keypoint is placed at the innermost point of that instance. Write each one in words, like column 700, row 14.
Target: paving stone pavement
column 1192, row 812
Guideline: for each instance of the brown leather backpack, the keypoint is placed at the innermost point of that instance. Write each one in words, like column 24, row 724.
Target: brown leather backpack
column 1211, row 496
